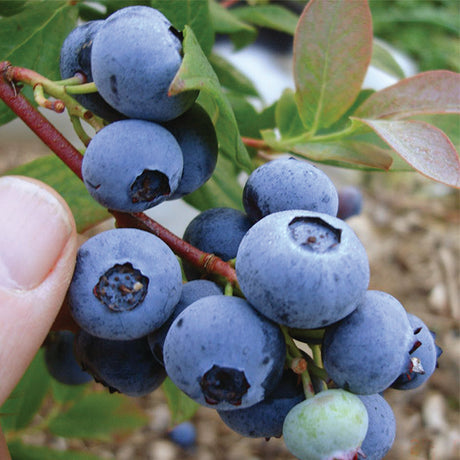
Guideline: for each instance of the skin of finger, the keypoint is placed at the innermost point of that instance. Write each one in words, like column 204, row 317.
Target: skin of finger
column 26, row 316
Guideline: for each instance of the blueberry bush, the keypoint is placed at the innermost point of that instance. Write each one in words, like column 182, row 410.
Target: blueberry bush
column 263, row 310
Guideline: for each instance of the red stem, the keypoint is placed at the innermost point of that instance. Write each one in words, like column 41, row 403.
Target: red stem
column 228, row 3
column 255, row 143
column 206, row 261
column 73, row 159
column 38, row 123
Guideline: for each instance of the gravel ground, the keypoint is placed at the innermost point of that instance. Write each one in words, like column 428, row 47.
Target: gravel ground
column 410, row 228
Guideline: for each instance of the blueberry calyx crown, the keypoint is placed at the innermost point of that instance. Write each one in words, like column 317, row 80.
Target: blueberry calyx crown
column 314, row 233
column 224, row 384
column 121, row 288
column 148, row 186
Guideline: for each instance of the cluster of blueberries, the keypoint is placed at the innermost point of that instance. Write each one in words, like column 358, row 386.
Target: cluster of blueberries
column 299, row 265
column 160, row 147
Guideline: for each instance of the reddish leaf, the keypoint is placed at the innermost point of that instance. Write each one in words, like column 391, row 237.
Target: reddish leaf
column 332, row 51
column 436, row 91
column 358, row 153
column 425, row 147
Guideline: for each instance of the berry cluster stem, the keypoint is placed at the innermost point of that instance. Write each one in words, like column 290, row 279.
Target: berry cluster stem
column 258, row 144
column 54, row 139
column 57, row 90
column 298, row 363
column 37, row 122
column 208, row 262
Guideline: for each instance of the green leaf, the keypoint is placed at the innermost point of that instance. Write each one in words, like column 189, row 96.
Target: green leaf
column 66, row 393
column 11, row 7
column 181, row 406
column 271, row 16
column 26, row 399
column 51, row 170
column 426, row 148
column 196, row 73
column 90, row 12
column 114, row 5
column 267, row 117
column 246, row 115
column 194, row 13
column 434, row 91
column 422, row 13
column 231, row 78
column 344, row 120
column 20, row 451
column 221, row 190
column 98, row 416
column 225, row 22
column 332, row 51
column 382, row 59
column 33, row 39
column 287, row 115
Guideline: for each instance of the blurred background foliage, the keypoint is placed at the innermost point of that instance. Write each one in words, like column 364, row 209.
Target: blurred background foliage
column 427, row 30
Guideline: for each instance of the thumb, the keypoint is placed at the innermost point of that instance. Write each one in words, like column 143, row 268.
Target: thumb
column 37, row 256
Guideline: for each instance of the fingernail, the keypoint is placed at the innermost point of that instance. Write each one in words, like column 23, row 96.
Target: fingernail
column 34, row 228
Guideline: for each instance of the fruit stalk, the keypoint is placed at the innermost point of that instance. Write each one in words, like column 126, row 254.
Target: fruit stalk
column 255, row 143
column 41, row 126
column 297, row 363
column 12, row 74
column 10, row 95
column 209, row 262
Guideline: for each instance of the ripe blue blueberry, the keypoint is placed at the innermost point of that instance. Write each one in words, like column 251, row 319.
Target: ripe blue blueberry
column 366, row 351
column 350, row 202
column 423, row 357
column 126, row 284
column 191, row 291
column 265, row 419
column 184, row 435
column 288, row 183
column 197, row 139
column 218, row 231
column 60, row 359
column 124, row 366
column 76, row 58
column 136, row 54
column 302, row 269
column 132, row 165
column 223, row 354
column 381, row 432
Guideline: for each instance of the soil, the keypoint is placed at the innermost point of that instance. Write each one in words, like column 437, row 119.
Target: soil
column 410, row 228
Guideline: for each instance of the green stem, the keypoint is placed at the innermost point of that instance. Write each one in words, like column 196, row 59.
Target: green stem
column 56, row 90
column 39, row 96
column 84, row 88
column 351, row 129
column 78, row 79
column 304, row 138
column 288, row 144
column 318, row 360
column 232, row 262
column 78, row 128
column 319, row 372
column 228, row 289
column 293, row 356
column 310, row 336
